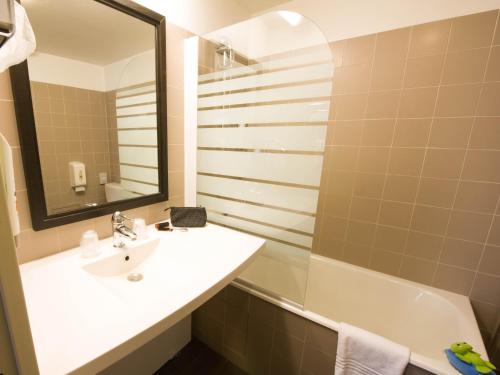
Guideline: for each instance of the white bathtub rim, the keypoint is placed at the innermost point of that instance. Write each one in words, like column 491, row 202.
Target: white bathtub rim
column 438, row 367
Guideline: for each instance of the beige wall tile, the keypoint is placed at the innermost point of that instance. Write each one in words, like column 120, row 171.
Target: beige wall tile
column 450, row 132
column 488, row 102
column 418, row 103
column 477, row 196
column 437, row 192
column 369, row 185
column 347, row 133
column 486, row 289
column 424, row 245
column 459, row 100
column 340, row 182
column 386, row 261
column 378, row 132
column 464, row 254
column 486, row 315
column 469, row 226
column 5, row 91
column 466, row 66
column 418, row 270
column 8, row 125
column 486, row 133
column 401, row 188
column 482, row 166
column 337, row 205
column 360, row 232
column 472, row 31
column 373, row 160
column 443, row 163
column 357, row 254
column 490, row 261
column 383, row 104
column 453, row 279
column 358, row 51
column 423, row 71
column 349, row 107
column 351, row 79
column 494, row 236
column 365, row 209
column 431, row 220
column 430, row 38
column 412, row 132
column 406, row 161
column 493, row 71
column 395, row 214
column 34, row 245
column 390, row 238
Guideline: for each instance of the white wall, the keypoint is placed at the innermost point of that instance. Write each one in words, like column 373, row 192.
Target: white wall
column 341, row 19
column 133, row 70
column 62, row 71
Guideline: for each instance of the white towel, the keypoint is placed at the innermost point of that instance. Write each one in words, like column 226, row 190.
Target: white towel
column 20, row 45
column 360, row 352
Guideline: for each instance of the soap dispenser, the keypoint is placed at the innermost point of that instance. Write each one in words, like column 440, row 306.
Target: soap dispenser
column 78, row 178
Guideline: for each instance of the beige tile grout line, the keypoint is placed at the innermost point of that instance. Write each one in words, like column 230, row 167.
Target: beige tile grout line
column 476, row 270
column 391, row 147
column 414, row 203
column 365, row 110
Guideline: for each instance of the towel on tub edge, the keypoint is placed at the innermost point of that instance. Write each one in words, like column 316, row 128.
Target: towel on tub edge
column 360, row 352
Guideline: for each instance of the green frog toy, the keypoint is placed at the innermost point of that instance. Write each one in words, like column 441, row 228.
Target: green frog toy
column 464, row 352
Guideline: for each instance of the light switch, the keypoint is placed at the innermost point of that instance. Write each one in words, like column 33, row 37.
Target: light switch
column 103, row 178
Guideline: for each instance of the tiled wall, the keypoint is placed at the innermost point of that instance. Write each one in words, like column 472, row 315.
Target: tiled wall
column 263, row 339
column 33, row 245
column 411, row 181
column 71, row 125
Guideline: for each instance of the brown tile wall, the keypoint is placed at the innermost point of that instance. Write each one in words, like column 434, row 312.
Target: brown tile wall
column 33, row 245
column 411, row 179
column 71, row 125
column 262, row 338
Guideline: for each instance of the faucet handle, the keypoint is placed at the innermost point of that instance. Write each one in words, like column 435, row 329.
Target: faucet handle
column 119, row 218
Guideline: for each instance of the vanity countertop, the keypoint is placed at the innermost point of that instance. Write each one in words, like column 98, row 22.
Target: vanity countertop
column 82, row 322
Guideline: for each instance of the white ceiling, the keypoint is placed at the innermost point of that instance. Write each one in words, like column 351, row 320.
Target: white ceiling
column 87, row 31
column 254, row 6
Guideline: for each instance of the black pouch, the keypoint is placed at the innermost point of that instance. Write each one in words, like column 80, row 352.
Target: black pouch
column 188, row 217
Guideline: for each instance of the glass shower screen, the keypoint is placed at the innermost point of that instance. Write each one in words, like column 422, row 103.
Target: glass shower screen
column 264, row 89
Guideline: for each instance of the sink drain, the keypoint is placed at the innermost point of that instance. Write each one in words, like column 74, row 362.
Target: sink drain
column 135, row 277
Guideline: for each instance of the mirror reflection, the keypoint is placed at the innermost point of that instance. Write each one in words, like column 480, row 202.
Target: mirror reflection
column 94, row 99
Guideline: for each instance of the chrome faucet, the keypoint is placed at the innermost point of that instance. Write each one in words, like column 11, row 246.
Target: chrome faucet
column 120, row 230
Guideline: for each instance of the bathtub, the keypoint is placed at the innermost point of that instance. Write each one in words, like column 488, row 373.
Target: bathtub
column 423, row 318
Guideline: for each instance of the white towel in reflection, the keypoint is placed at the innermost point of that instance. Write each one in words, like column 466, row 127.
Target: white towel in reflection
column 360, row 352
column 20, row 45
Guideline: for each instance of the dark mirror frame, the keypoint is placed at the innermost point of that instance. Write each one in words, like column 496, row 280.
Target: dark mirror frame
column 29, row 146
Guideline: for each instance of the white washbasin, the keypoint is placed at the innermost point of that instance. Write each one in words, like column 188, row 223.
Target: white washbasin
column 131, row 259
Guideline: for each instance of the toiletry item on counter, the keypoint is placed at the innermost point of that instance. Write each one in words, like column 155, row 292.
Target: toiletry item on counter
column 140, row 229
column 89, row 244
column 165, row 227
column 188, row 217
column 467, row 361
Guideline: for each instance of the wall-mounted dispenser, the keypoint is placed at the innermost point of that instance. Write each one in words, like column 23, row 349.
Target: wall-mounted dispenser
column 77, row 176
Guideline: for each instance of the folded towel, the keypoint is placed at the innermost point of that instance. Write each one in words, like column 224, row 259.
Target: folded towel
column 360, row 352
column 20, row 45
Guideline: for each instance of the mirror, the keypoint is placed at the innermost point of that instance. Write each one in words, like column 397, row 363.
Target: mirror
column 91, row 109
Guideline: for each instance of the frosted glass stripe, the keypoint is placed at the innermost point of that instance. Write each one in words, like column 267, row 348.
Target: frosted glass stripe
column 285, row 253
column 135, row 91
column 264, row 230
column 293, row 198
column 298, row 169
column 288, row 220
column 309, row 57
column 138, row 156
column 315, row 90
column 136, row 99
column 136, row 110
column 137, row 187
column 139, row 174
column 310, row 138
column 295, row 112
column 138, row 137
column 314, row 72
column 146, row 121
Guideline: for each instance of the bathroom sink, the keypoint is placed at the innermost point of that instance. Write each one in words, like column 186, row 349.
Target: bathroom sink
column 126, row 262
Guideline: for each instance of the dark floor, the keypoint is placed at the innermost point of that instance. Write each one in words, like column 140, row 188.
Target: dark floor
column 198, row 359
